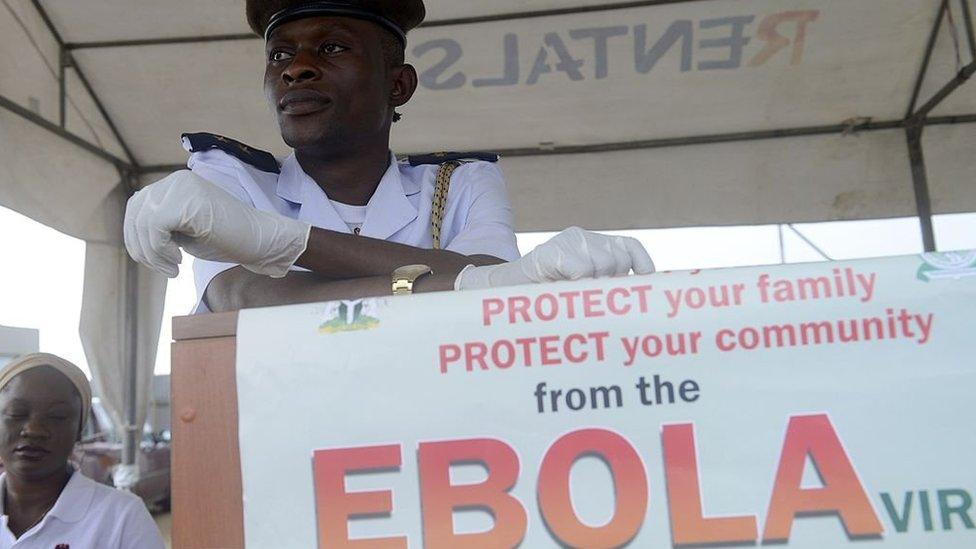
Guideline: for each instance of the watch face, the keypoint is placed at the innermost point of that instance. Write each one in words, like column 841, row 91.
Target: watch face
column 411, row 272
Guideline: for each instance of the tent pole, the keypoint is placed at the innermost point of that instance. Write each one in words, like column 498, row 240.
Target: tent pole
column 920, row 182
column 929, row 48
column 946, row 90
column 130, row 441
column 916, row 120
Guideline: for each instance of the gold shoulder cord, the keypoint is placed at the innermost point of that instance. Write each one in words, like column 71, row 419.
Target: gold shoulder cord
column 443, row 183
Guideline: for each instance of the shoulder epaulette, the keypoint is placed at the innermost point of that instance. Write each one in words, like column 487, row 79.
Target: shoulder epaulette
column 440, row 158
column 261, row 160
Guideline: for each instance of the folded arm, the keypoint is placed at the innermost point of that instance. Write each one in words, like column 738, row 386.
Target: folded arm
column 238, row 288
column 185, row 211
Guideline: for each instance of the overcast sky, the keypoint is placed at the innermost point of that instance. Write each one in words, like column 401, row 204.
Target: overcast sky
column 42, row 270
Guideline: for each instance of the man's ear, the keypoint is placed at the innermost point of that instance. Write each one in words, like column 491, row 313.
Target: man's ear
column 404, row 85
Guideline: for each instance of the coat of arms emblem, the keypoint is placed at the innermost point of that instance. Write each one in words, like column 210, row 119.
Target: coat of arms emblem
column 947, row 265
column 351, row 315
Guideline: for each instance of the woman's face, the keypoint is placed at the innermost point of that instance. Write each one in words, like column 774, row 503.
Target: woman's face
column 40, row 415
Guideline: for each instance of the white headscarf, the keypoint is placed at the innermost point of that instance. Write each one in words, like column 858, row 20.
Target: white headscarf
column 70, row 371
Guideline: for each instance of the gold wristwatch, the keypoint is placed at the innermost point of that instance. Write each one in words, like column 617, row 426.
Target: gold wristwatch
column 404, row 277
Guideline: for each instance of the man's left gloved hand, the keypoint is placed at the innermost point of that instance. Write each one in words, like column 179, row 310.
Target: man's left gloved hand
column 573, row 254
column 185, row 210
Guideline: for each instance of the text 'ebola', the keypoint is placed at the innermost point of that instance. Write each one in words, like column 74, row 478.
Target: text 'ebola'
column 807, row 436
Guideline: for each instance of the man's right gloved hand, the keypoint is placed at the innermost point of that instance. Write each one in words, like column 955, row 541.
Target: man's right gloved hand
column 185, row 210
column 570, row 255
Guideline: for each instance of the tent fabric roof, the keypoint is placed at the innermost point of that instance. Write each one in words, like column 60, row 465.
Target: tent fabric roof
column 32, row 174
column 859, row 61
column 537, row 79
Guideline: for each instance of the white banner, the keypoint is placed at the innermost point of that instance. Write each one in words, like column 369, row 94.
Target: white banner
column 817, row 405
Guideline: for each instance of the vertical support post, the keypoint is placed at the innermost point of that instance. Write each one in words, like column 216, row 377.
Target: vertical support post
column 130, row 443
column 923, row 204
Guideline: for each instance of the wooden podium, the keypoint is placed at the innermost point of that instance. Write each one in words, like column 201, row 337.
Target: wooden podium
column 208, row 511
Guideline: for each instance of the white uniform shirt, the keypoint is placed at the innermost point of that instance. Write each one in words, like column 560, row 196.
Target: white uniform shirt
column 87, row 515
column 477, row 219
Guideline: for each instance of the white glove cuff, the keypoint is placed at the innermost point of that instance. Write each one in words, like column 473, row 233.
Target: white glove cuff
column 473, row 278
column 294, row 235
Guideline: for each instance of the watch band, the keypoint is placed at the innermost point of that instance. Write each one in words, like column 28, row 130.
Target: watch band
column 404, row 277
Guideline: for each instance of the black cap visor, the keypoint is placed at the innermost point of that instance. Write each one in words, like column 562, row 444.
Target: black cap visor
column 315, row 9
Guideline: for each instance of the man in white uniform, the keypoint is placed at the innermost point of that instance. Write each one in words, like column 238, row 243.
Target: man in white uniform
column 339, row 216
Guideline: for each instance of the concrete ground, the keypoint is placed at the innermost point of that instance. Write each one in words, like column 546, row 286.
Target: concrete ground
column 165, row 521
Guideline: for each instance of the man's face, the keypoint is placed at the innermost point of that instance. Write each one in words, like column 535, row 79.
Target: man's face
column 328, row 82
column 41, row 416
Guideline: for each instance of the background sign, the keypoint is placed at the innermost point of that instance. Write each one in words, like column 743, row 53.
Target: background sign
column 818, row 405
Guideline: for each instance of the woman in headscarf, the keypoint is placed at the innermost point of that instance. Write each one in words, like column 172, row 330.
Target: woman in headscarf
column 44, row 502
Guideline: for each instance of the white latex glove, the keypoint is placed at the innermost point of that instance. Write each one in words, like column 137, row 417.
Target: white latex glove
column 186, row 210
column 570, row 255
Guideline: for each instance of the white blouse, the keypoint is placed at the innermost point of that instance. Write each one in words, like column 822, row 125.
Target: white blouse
column 87, row 515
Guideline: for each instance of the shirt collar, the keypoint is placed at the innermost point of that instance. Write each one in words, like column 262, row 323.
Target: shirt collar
column 73, row 503
column 388, row 210
column 292, row 180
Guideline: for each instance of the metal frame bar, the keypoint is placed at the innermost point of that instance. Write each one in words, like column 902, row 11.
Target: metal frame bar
column 914, row 124
column 684, row 141
column 707, row 139
column 158, row 41
column 65, row 55
column 945, row 91
column 950, row 119
column 920, row 183
column 428, row 24
column 961, row 77
column 62, row 88
column 130, row 443
column 970, row 33
column 916, row 120
column 43, row 123
column 929, row 48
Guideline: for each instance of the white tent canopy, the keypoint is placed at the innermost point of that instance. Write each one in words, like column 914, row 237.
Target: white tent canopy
column 609, row 115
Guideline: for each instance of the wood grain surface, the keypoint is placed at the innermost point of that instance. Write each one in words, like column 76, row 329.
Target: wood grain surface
column 208, row 508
